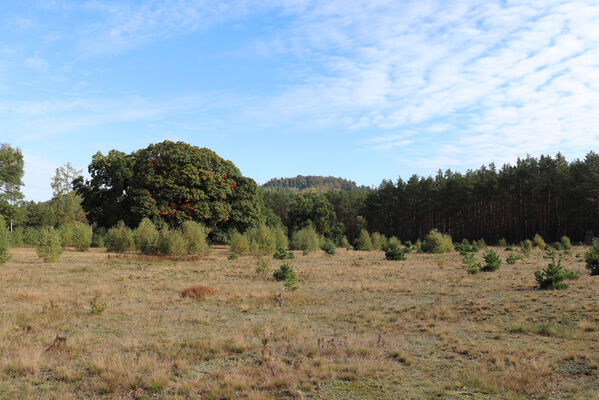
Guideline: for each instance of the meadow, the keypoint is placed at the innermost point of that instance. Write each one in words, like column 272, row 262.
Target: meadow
column 101, row 325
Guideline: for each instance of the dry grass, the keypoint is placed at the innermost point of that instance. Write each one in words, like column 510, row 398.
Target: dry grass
column 359, row 327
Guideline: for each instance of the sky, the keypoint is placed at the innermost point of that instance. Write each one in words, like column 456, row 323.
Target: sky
column 365, row 90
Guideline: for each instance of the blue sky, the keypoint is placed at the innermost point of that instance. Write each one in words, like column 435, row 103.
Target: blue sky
column 365, row 90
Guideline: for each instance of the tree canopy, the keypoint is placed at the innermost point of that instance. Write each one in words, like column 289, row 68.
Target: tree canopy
column 169, row 183
column 11, row 175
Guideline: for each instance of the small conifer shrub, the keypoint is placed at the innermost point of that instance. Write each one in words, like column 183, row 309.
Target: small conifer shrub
column 538, row 241
column 171, row 242
column 305, row 239
column 463, row 247
column 394, row 251
column 502, row 242
column 195, row 235
column 511, row 258
column 566, row 244
column 280, row 254
column 363, row 242
column 480, row 244
column 554, row 275
column 328, row 247
column 557, row 246
column 81, row 236
column 287, row 274
column 591, row 257
column 49, row 246
column 233, row 256
column 492, row 261
column 470, row 264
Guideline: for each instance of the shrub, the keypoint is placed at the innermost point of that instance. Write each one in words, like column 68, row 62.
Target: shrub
column 5, row 240
column 280, row 238
column 394, row 251
column 240, row 243
column 511, row 258
column 96, row 307
column 81, row 236
column 287, row 274
column 171, row 242
column 526, row 246
column 195, row 235
column 66, row 235
column 492, row 261
column 280, row 254
column 31, row 236
column 591, row 257
column 305, row 239
column 554, row 275
column 16, row 237
column 233, row 256
column 328, row 247
column 566, row 244
column 470, row 264
column 119, row 238
column 436, row 242
column 344, row 243
column 261, row 239
column 378, row 241
column 418, row 246
column 480, row 244
column 502, row 242
column 290, row 255
column 48, row 247
column 363, row 242
column 538, row 241
column 463, row 247
column 98, row 237
column 557, row 246
column 146, row 237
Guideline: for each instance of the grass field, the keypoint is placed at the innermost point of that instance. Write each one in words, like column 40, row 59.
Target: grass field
column 358, row 327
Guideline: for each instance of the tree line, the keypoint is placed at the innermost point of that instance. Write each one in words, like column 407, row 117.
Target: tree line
column 171, row 183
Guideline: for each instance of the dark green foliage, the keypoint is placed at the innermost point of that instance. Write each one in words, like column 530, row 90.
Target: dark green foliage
column 314, row 210
column 5, row 241
column 290, row 255
column 463, row 247
column 233, row 256
column 480, row 244
column 557, row 246
column 554, row 275
column 31, row 236
column 119, row 238
column 320, row 183
column 285, row 273
column 171, row 242
column 591, row 257
column 16, row 237
column 48, row 247
column 394, row 251
column 469, row 263
column 328, row 247
column 280, row 254
column 492, row 261
column 98, row 237
column 11, row 180
column 502, row 242
column 436, row 242
column 173, row 182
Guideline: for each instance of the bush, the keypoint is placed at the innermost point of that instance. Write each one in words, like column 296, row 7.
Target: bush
column 98, row 237
column 526, row 245
column 81, row 236
column 538, row 241
column 233, row 256
column 290, row 255
column 280, row 238
column 344, row 243
column 463, row 247
column 511, row 258
column 378, row 241
column 31, row 236
column 171, row 242
column 492, row 261
column 480, row 244
column 363, row 242
column 591, row 257
column 436, row 242
column 565, row 241
column 240, row 243
column 66, row 235
column 49, row 245
column 16, row 237
column 195, row 235
column 119, row 238
column 280, row 254
column 305, row 239
column 287, row 274
column 262, row 240
column 557, row 246
column 470, row 264
column 394, row 251
column 502, row 242
column 554, row 275
column 5, row 240
column 418, row 246
column 328, row 247
column 146, row 237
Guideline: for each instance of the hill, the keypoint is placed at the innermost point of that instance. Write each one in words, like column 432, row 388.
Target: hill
column 318, row 183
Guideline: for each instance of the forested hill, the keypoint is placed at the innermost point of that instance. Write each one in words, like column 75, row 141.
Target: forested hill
column 312, row 182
